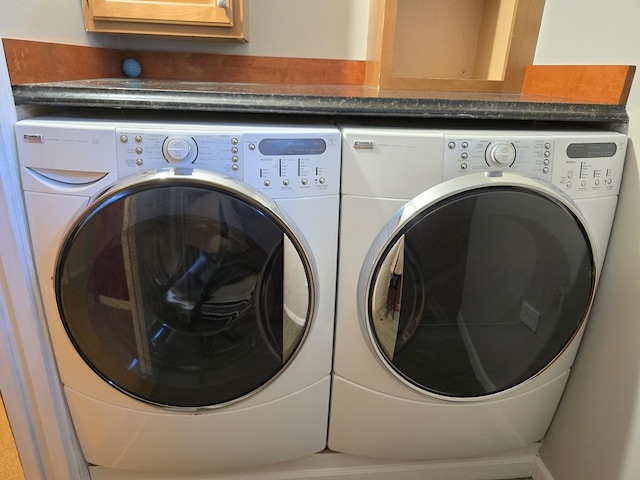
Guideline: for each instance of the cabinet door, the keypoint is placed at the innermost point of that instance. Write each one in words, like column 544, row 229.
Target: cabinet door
column 200, row 12
column 196, row 18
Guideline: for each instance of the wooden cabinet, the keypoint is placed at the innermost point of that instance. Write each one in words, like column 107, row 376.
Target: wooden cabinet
column 453, row 45
column 193, row 18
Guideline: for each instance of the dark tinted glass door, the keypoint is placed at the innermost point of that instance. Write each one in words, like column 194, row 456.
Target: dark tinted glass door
column 176, row 293
column 480, row 291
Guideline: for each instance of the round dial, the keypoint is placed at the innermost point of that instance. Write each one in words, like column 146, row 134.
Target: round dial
column 500, row 153
column 177, row 149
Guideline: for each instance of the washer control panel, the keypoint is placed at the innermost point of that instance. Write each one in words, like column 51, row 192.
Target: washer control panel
column 582, row 164
column 280, row 162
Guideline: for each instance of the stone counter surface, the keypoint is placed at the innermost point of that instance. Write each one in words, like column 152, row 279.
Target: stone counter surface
column 343, row 101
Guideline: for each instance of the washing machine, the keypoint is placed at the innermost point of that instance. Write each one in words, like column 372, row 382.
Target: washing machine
column 469, row 261
column 187, row 269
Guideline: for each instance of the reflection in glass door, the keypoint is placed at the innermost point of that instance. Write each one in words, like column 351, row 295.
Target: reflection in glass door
column 184, row 295
column 480, row 291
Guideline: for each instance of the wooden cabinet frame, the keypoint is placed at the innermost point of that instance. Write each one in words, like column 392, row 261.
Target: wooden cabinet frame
column 452, row 45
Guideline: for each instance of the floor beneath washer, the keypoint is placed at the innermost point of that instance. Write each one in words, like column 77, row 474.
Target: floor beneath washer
column 10, row 466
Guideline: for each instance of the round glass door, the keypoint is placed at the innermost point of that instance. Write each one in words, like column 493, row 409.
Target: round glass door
column 478, row 292
column 184, row 291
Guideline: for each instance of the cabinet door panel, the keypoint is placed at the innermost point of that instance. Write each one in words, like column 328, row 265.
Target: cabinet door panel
column 186, row 18
column 196, row 12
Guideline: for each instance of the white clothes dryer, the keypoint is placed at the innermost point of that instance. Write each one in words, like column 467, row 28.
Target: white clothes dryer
column 468, row 264
column 187, row 270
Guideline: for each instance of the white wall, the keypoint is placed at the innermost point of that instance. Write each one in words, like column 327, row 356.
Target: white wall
column 278, row 28
column 596, row 432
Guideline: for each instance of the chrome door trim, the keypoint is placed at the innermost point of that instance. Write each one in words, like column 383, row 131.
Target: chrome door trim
column 413, row 208
column 207, row 179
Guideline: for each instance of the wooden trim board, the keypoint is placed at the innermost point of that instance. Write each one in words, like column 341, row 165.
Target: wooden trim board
column 39, row 62
column 607, row 84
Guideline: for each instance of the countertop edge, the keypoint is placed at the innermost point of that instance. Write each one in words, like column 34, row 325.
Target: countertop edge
column 73, row 95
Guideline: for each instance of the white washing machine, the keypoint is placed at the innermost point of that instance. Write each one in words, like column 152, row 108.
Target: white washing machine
column 188, row 271
column 468, row 264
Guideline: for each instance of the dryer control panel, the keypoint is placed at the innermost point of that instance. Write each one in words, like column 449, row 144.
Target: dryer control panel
column 531, row 155
column 583, row 164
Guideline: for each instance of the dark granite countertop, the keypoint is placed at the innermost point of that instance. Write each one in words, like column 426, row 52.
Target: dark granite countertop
column 311, row 100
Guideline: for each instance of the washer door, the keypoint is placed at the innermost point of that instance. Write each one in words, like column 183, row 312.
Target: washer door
column 477, row 285
column 185, row 289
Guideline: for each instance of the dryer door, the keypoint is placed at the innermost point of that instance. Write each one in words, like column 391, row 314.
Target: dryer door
column 176, row 288
column 477, row 285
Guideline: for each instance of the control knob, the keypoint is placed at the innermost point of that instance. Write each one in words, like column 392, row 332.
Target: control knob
column 177, row 149
column 500, row 154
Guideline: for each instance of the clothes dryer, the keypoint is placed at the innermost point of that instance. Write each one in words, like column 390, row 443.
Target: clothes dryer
column 468, row 264
column 187, row 270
